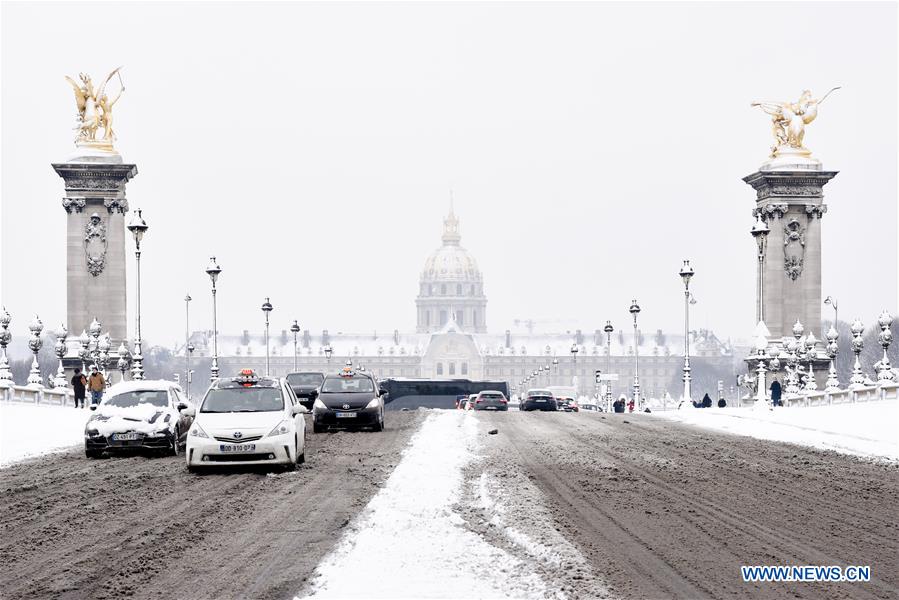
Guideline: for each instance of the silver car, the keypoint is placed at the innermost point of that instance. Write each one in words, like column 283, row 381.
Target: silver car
column 490, row 400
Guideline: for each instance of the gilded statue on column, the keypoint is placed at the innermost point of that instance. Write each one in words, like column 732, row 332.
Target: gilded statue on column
column 95, row 111
column 788, row 121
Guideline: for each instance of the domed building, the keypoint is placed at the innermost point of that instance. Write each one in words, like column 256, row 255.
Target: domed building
column 451, row 286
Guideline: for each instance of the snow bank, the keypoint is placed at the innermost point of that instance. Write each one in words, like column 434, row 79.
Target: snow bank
column 409, row 543
column 33, row 429
column 864, row 429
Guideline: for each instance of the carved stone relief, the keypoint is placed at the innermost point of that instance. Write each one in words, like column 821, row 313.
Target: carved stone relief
column 95, row 245
column 794, row 249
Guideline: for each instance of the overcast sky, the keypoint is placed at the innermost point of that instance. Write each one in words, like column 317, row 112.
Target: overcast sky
column 312, row 147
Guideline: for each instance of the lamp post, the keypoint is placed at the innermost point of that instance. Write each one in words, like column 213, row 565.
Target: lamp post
column 328, row 352
column 556, row 367
column 267, row 309
column 686, row 273
column 60, row 350
column 213, row 270
column 138, row 227
column 635, row 310
column 190, row 372
column 122, row 363
column 608, row 329
column 885, row 374
column 833, row 382
column 187, row 300
column 760, row 232
column 35, row 343
column 295, row 328
column 5, row 338
column 84, row 351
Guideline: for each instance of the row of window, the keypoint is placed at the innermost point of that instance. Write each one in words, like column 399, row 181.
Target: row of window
column 451, row 368
column 430, row 289
column 444, row 316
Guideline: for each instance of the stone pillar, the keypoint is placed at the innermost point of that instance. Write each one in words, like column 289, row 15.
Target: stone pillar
column 95, row 206
column 790, row 200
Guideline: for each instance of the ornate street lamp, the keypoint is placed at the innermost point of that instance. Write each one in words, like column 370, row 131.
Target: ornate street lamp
column 760, row 232
column 295, row 328
column 60, row 351
column 833, row 382
column 811, row 341
column 635, row 310
column 885, row 374
column 84, row 352
column 858, row 343
column 190, row 352
column 213, row 270
column 761, row 395
column 138, row 227
column 35, row 343
column 686, row 273
column 187, row 300
column 123, row 361
column 266, row 308
column 5, row 338
column 608, row 329
column 833, row 303
column 328, row 352
column 104, row 345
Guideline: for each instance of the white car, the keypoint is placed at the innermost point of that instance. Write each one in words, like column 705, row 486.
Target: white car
column 247, row 420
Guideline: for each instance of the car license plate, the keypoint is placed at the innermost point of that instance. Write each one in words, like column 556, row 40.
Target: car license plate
column 237, row 447
column 541, row 400
column 123, row 437
column 342, row 415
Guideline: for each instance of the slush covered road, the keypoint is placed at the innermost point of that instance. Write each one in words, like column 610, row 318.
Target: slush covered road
column 145, row 527
column 663, row 510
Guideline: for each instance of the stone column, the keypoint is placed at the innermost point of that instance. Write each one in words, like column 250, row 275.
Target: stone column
column 790, row 200
column 95, row 206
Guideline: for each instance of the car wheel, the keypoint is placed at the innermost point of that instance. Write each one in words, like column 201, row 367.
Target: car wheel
column 379, row 426
column 193, row 469
column 316, row 428
column 92, row 453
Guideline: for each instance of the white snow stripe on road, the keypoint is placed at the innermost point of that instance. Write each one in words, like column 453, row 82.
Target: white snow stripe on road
column 409, row 543
column 28, row 430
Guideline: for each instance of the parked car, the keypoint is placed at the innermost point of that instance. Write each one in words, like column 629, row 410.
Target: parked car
column 145, row 414
column 567, row 404
column 491, row 400
column 303, row 384
column 350, row 399
column 247, row 420
column 539, row 400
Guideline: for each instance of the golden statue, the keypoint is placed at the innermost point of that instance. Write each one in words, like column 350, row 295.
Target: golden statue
column 788, row 121
column 95, row 111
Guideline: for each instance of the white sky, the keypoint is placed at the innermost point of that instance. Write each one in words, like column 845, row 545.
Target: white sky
column 311, row 147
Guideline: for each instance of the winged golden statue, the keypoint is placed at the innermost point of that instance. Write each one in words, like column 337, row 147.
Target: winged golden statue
column 788, row 121
column 95, row 110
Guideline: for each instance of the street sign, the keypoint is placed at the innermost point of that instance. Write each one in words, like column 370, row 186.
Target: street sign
column 609, row 377
column 597, row 374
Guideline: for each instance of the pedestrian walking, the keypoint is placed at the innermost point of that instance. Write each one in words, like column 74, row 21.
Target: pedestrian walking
column 96, row 383
column 775, row 393
column 79, row 385
column 630, row 405
column 722, row 402
column 706, row 401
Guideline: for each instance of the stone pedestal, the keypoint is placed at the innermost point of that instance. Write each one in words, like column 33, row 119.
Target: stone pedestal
column 95, row 206
column 790, row 200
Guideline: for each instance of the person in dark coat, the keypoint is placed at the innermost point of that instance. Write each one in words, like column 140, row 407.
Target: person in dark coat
column 722, row 402
column 775, row 393
column 706, row 401
column 79, row 386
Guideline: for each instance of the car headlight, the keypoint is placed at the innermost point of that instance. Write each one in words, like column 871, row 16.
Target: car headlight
column 375, row 403
column 281, row 428
column 319, row 405
column 197, row 431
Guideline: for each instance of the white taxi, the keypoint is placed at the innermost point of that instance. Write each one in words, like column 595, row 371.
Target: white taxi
column 247, row 420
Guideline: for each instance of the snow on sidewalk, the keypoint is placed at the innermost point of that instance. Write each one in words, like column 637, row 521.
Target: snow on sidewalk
column 409, row 543
column 32, row 429
column 869, row 429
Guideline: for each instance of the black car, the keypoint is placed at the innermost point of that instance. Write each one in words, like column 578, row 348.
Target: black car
column 303, row 384
column 350, row 399
column 138, row 415
column 539, row 400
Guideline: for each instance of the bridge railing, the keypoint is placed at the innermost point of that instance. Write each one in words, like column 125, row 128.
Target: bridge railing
column 35, row 395
column 882, row 391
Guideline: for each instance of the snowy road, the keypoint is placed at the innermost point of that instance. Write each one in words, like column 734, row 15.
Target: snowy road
column 145, row 528
column 562, row 506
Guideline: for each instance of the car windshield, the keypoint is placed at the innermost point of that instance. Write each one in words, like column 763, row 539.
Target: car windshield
column 539, row 394
column 492, row 396
column 154, row 397
column 305, row 379
column 347, row 385
column 243, row 399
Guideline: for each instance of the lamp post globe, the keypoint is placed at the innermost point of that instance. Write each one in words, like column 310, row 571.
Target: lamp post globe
column 214, row 270
column 635, row 310
column 295, row 329
column 267, row 309
column 328, row 352
column 138, row 227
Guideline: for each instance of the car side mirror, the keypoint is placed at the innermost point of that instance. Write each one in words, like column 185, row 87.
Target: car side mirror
column 182, row 406
column 299, row 409
column 313, row 394
column 383, row 392
column 190, row 411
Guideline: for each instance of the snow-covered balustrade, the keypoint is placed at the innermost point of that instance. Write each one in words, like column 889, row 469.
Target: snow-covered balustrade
column 35, row 395
column 882, row 391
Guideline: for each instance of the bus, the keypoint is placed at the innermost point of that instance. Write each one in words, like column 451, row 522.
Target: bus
column 434, row 393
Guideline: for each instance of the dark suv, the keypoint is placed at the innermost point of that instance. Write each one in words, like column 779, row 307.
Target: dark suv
column 303, row 384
